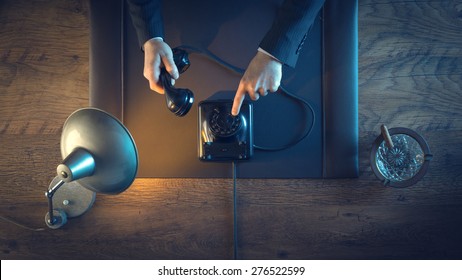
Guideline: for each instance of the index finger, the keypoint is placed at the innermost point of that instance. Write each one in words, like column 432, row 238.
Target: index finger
column 170, row 66
column 238, row 99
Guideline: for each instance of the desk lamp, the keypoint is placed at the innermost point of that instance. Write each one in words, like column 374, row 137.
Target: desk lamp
column 99, row 155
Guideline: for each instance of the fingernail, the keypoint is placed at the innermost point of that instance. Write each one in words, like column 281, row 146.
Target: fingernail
column 175, row 75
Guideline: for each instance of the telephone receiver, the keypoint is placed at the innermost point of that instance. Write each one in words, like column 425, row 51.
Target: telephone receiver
column 179, row 100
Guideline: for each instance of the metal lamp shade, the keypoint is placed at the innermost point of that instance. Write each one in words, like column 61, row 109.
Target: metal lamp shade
column 98, row 151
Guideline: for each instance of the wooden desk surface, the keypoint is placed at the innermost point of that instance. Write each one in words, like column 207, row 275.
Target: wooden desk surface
column 410, row 74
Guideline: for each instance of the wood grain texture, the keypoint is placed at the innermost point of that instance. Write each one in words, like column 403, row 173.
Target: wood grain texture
column 43, row 64
column 409, row 75
column 410, row 64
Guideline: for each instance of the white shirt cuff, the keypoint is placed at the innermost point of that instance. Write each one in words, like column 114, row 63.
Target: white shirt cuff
column 267, row 53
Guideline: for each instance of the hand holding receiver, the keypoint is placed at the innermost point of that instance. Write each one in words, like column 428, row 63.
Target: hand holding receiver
column 158, row 54
column 179, row 100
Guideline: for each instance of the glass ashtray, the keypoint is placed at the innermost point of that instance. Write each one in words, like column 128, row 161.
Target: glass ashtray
column 400, row 157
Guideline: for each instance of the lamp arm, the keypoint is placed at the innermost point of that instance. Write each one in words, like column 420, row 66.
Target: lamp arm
column 49, row 194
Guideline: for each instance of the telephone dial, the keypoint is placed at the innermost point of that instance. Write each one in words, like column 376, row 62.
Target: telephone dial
column 222, row 136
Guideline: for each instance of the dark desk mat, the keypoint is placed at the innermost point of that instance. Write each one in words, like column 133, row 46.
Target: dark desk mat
column 167, row 144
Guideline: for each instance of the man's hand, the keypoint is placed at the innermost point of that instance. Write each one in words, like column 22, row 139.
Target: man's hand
column 263, row 75
column 158, row 54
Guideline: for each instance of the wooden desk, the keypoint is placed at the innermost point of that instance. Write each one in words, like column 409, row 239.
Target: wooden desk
column 410, row 75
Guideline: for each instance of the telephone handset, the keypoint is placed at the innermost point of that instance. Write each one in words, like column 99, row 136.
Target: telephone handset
column 179, row 100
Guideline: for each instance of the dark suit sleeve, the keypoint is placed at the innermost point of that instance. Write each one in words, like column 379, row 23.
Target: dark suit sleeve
column 288, row 32
column 147, row 18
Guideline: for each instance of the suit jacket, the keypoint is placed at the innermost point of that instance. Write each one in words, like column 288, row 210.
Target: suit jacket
column 284, row 40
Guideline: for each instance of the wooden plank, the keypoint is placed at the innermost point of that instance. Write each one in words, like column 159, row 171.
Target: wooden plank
column 43, row 64
column 350, row 232
column 410, row 71
column 169, row 221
